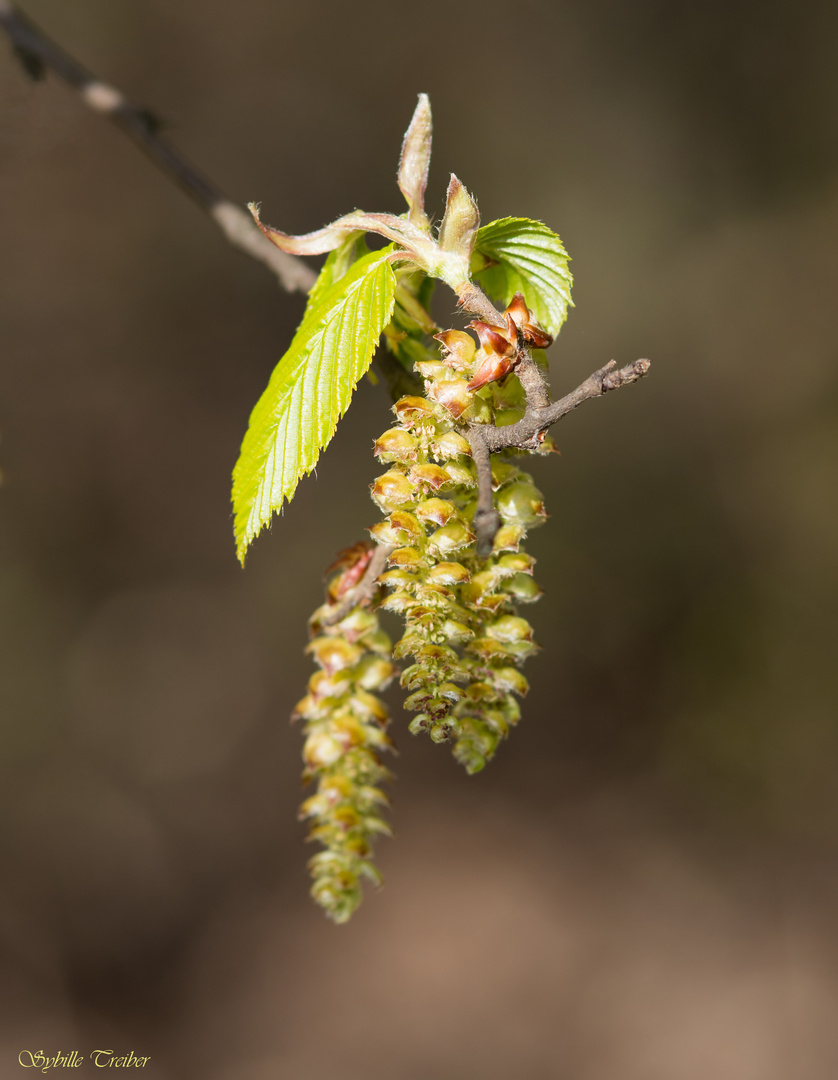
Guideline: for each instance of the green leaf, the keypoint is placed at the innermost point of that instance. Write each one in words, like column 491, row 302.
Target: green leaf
column 309, row 391
column 336, row 266
column 528, row 258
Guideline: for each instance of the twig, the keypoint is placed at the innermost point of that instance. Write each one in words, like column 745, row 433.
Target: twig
column 476, row 302
column 486, row 518
column 38, row 53
column 486, row 439
column 524, row 434
column 365, row 587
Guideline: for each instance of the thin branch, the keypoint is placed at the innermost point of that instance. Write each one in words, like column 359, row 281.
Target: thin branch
column 365, row 587
column 476, row 302
column 525, row 433
column 487, row 439
column 532, row 380
column 486, row 518
column 38, row 53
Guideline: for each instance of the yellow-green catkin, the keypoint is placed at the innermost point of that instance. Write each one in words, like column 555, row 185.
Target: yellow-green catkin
column 345, row 729
column 462, row 627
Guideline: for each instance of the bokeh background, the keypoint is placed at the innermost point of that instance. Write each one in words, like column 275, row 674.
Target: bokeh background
column 643, row 884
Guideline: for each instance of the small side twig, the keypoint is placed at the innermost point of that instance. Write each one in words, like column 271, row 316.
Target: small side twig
column 487, row 439
column 365, row 587
column 538, row 418
column 38, row 54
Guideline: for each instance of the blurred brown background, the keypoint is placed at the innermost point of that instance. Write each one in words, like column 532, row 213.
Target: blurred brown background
column 642, row 886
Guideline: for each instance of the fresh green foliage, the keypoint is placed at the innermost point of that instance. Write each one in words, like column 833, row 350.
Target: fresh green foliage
column 521, row 255
column 337, row 265
column 447, row 555
column 310, row 390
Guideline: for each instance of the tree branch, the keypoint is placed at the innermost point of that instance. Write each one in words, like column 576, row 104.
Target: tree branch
column 524, row 434
column 38, row 53
column 487, row 439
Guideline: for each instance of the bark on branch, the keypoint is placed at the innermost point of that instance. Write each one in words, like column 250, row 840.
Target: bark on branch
column 38, row 54
column 538, row 418
column 525, row 434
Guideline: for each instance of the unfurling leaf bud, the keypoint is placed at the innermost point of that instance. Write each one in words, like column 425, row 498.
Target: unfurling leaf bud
column 496, row 357
column 415, row 161
column 533, row 334
column 460, row 223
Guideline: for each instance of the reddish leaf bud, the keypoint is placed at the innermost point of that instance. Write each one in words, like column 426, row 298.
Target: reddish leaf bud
column 533, row 334
column 494, row 338
column 497, row 354
column 490, row 369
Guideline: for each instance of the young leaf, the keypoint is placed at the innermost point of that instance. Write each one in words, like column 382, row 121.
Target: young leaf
column 337, row 265
column 309, row 391
column 415, row 161
column 460, row 224
column 521, row 255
